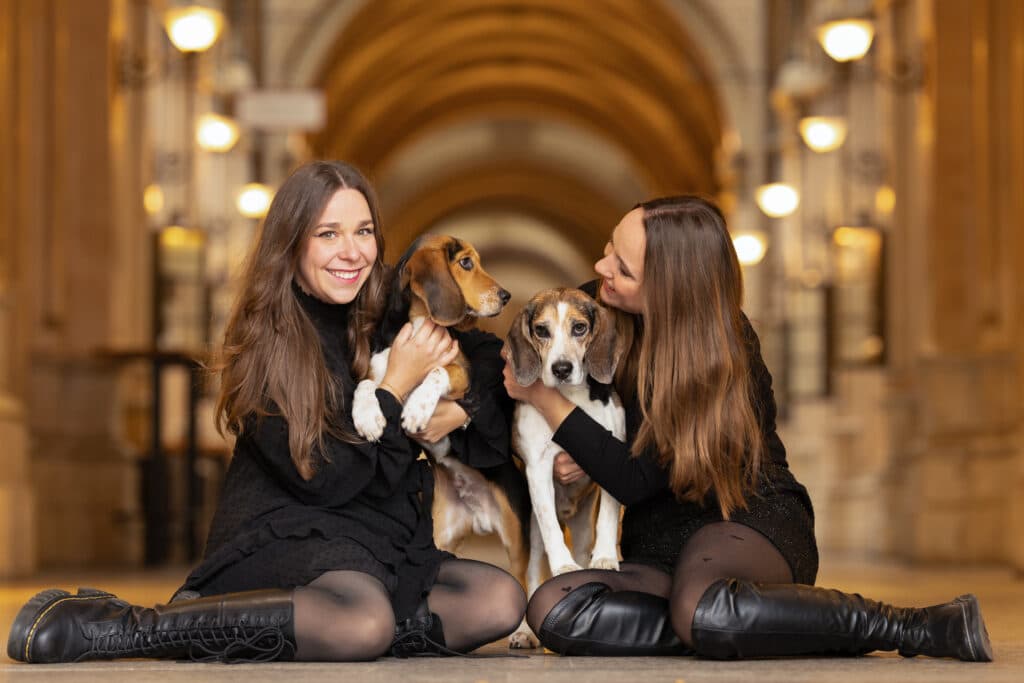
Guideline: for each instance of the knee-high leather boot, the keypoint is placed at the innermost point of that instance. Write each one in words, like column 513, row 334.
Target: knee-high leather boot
column 737, row 619
column 595, row 620
column 420, row 635
column 56, row 626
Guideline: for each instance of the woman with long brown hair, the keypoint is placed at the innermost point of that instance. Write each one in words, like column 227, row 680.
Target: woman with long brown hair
column 321, row 547
column 718, row 547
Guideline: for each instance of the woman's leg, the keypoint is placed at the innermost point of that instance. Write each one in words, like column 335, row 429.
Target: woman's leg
column 605, row 613
column 477, row 603
column 630, row 577
column 343, row 616
column 721, row 550
column 733, row 597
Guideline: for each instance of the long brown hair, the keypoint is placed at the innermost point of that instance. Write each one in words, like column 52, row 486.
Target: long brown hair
column 271, row 348
column 687, row 363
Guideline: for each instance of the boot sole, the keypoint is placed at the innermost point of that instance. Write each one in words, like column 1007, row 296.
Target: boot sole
column 977, row 634
column 19, row 643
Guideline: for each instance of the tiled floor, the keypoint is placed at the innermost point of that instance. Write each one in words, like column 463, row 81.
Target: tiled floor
column 1001, row 595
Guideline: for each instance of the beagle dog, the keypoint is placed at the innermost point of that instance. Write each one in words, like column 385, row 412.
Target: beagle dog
column 440, row 278
column 567, row 340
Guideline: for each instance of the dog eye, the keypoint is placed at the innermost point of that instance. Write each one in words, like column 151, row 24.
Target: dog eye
column 541, row 331
column 579, row 329
column 466, row 263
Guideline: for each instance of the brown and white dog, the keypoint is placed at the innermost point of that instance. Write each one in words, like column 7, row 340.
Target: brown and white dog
column 440, row 278
column 567, row 340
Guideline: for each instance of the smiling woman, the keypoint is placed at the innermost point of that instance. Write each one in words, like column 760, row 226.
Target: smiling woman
column 322, row 544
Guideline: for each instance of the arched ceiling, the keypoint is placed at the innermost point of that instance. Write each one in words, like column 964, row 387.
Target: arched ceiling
column 625, row 73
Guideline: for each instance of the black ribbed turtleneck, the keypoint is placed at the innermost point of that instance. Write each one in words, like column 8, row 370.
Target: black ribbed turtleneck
column 331, row 323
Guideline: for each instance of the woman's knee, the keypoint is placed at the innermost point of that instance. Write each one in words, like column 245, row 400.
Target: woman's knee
column 348, row 634
column 509, row 601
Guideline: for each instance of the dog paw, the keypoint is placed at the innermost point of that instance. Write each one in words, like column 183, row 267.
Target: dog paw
column 604, row 563
column 565, row 569
column 367, row 417
column 523, row 639
column 419, row 408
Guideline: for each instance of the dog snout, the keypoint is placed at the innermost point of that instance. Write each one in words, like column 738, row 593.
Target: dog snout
column 504, row 296
column 561, row 369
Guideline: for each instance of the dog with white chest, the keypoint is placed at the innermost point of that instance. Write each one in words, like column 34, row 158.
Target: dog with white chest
column 567, row 340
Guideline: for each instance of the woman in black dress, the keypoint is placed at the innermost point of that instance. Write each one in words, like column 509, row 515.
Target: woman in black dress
column 321, row 547
column 719, row 554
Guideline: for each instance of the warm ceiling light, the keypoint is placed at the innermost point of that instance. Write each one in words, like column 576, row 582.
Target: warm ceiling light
column 750, row 248
column 823, row 133
column 254, row 200
column 885, row 199
column 777, row 199
column 153, row 199
column 846, row 40
column 193, row 28
column 216, row 133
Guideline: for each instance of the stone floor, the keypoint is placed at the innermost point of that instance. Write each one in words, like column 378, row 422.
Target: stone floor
column 1001, row 595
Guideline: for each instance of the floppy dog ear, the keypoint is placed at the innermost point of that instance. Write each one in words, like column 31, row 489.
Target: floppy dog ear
column 430, row 279
column 522, row 356
column 605, row 348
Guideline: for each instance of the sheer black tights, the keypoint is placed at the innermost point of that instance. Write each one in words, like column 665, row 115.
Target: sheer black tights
column 346, row 616
column 477, row 602
column 721, row 550
column 343, row 616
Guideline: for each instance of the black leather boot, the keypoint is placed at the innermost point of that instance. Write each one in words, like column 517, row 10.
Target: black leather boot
column 737, row 619
column 595, row 620
column 56, row 626
column 420, row 635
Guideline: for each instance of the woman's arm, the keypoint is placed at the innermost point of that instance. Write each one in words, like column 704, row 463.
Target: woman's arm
column 342, row 470
column 606, row 459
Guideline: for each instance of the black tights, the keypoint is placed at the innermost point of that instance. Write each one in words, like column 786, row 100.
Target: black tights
column 722, row 550
column 347, row 615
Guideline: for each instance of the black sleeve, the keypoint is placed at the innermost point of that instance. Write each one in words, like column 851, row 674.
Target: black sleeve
column 486, row 442
column 343, row 470
column 608, row 461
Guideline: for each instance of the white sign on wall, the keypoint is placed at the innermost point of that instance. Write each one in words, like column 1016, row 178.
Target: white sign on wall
column 282, row 110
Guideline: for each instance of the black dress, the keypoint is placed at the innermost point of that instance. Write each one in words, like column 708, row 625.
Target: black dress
column 656, row 525
column 367, row 508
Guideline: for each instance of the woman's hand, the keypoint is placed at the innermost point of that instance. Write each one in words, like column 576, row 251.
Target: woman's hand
column 414, row 355
column 447, row 417
column 565, row 469
column 550, row 402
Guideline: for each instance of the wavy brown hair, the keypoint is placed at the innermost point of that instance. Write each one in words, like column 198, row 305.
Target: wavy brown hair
column 687, row 363
column 271, row 354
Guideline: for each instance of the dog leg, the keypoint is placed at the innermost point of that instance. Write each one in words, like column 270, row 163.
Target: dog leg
column 581, row 528
column 606, row 548
column 422, row 402
column 524, row 637
column 542, row 494
column 367, row 417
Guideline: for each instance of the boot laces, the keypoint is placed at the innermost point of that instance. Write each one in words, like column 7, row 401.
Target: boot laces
column 228, row 644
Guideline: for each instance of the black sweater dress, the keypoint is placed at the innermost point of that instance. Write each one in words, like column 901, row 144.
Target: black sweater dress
column 656, row 525
column 368, row 506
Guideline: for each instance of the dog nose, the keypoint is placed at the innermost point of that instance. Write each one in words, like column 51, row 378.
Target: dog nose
column 561, row 369
column 504, row 296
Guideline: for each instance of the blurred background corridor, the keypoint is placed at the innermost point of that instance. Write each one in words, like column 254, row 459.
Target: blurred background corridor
column 872, row 174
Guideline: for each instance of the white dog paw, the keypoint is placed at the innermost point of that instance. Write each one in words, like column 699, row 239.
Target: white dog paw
column 523, row 639
column 604, row 563
column 566, row 568
column 419, row 408
column 367, row 417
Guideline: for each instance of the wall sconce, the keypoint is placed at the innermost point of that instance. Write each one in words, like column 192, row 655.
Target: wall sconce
column 193, row 28
column 153, row 199
column 254, row 200
column 823, row 133
column 846, row 40
column 216, row 133
column 750, row 247
column 777, row 199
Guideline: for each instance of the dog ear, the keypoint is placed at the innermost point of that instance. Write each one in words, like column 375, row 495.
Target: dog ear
column 522, row 355
column 430, row 279
column 605, row 348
